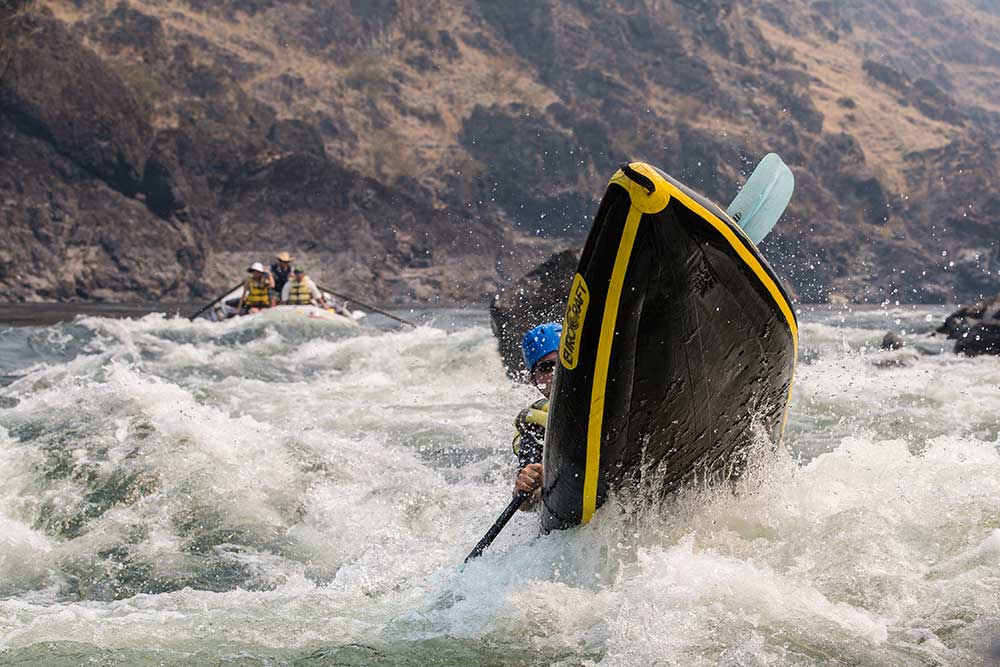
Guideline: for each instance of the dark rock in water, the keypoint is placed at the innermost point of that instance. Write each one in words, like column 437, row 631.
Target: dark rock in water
column 536, row 297
column 892, row 341
column 959, row 322
column 975, row 328
column 983, row 338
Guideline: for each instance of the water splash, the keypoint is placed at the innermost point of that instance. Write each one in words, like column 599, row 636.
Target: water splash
column 269, row 493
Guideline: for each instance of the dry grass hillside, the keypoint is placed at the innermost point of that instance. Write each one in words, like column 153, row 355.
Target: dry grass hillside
column 419, row 149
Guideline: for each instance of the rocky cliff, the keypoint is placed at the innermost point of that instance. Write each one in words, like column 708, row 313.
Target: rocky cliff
column 407, row 151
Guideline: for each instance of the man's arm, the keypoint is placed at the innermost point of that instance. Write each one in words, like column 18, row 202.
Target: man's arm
column 529, row 446
column 316, row 294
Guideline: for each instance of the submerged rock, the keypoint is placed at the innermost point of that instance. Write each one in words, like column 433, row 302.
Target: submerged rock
column 892, row 341
column 975, row 328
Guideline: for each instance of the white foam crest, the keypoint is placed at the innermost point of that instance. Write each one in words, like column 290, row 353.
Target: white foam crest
column 344, row 478
column 23, row 550
column 848, row 395
column 291, row 616
column 830, row 339
column 709, row 602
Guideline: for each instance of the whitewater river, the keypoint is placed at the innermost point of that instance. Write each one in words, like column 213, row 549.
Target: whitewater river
column 284, row 492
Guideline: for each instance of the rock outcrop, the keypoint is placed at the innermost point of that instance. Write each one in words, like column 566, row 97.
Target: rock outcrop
column 100, row 204
column 150, row 149
column 975, row 328
column 538, row 296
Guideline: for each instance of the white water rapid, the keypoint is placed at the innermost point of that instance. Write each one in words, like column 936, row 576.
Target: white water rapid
column 287, row 492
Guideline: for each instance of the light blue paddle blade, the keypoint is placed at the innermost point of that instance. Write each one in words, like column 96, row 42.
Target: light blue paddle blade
column 763, row 199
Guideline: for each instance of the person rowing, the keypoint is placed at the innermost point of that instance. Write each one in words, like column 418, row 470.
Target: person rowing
column 257, row 290
column 300, row 290
column 540, row 349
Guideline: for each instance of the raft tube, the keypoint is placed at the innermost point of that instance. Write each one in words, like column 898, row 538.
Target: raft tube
column 678, row 343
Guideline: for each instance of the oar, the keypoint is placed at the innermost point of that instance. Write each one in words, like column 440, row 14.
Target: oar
column 367, row 305
column 498, row 525
column 763, row 198
column 214, row 301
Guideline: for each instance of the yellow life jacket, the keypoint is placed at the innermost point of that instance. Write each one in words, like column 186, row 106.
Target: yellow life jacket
column 299, row 294
column 259, row 294
column 531, row 421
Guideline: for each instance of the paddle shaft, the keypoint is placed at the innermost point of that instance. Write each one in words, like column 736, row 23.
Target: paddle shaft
column 498, row 525
column 214, row 301
column 367, row 305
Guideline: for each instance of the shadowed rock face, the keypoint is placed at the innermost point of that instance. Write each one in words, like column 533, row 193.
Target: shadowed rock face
column 537, row 297
column 151, row 149
column 56, row 90
column 100, row 206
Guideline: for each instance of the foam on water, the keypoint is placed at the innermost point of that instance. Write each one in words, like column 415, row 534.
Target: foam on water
column 285, row 492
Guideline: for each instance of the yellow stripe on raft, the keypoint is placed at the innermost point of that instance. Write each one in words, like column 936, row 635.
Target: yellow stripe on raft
column 643, row 202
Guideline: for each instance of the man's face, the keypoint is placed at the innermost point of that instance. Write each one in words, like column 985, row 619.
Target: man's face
column 299, row 276
column 544, row 371
column 283, row 265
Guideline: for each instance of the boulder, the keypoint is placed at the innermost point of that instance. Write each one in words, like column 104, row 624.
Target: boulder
column 983, row 338
column 975, row 328
column 536, row 297
column 892, row 341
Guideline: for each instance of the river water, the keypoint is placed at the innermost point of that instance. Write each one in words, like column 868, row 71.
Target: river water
column 279, row 491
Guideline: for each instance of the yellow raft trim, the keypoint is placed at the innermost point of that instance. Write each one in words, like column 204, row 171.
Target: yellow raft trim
column 642, row 202
column 768, row 282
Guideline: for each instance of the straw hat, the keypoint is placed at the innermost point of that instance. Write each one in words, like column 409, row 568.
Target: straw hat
column 283, row 257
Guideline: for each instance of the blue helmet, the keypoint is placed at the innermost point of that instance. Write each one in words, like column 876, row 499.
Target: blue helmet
column 540, row 341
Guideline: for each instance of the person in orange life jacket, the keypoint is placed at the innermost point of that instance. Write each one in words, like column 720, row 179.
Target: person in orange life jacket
column 257, row 290
column 301, row 290
column 281, row 270
column 540, row 348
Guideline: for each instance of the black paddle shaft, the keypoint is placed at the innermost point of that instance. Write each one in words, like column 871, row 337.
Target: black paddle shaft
column 498, row 525
column 367, row 305
column 214, row 301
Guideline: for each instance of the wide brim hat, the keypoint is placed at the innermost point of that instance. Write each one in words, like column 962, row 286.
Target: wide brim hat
column 256, row 266
column 283, row 257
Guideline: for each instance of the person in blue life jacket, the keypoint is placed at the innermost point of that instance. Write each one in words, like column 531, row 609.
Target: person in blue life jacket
column 540, row 349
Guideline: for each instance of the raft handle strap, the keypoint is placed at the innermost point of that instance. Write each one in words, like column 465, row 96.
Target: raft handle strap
column 642, row 181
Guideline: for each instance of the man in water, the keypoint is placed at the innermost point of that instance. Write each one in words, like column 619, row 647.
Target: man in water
column 280, row 271
column 301, row 290
column 540, row 348
column 257, row 290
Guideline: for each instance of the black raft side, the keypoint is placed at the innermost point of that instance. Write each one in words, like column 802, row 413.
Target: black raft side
column 703, row 351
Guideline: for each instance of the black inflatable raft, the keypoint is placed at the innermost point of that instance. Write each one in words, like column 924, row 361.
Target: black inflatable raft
column 678, row 342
